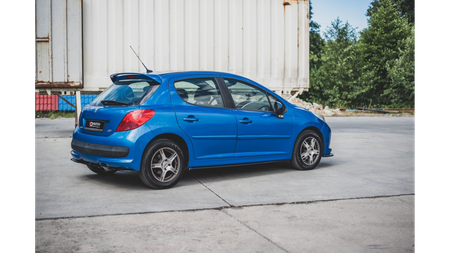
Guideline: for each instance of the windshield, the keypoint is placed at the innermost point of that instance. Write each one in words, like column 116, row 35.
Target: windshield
column 124, row 93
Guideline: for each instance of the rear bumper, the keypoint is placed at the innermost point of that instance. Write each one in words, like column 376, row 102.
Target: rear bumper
column 109, row 162
column 99, row 149
column 104, row 165
column 121, row 150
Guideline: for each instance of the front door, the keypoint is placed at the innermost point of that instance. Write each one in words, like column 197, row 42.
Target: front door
column 200, row 112
column 260, row 132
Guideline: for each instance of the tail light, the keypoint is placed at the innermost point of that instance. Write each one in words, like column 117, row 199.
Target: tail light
column 135, row 119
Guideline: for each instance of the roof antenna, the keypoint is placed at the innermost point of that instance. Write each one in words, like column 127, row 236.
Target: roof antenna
column 148, row 70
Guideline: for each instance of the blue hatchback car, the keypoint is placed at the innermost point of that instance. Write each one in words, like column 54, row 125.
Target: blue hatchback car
column 162, row 124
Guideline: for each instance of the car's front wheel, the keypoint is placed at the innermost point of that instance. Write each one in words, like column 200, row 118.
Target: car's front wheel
column 162, row 164
column 307, row 151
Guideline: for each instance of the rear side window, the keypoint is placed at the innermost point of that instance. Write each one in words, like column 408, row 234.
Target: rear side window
column 200, row 91
column 125, row 93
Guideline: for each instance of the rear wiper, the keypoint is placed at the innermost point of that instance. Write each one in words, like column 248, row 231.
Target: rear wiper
column 112, row 102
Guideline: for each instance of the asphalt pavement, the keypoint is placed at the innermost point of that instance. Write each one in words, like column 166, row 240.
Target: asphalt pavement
column 360, row 199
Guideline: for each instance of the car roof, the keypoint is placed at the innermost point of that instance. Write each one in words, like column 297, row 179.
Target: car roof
column 161, row 76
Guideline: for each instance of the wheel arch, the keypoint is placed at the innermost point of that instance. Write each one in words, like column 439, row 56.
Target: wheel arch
column 318, row 132
column 175, row 138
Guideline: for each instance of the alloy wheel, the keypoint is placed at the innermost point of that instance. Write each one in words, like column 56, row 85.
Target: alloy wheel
column 165, row 164
column 310, row 150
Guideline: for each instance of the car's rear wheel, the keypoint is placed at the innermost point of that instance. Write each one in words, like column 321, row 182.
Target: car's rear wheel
column 162, row 164
column 307, row 151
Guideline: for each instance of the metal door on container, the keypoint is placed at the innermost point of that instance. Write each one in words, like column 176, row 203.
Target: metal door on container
column 260, row 132
column 201, row 114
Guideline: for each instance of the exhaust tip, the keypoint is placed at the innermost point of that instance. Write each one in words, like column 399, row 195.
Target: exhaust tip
column 105, row 166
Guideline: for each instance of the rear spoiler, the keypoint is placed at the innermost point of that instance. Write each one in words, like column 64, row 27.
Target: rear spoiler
column 130, row 76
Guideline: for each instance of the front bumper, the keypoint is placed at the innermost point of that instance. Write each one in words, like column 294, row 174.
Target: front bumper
column 326, row 132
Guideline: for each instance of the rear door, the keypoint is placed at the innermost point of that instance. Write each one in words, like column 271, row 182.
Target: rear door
column 202, row 114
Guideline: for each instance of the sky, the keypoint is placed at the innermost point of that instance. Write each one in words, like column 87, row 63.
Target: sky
column 353, row 11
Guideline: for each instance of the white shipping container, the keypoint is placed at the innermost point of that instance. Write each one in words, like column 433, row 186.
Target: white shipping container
column 59, row 44
column 264, row 40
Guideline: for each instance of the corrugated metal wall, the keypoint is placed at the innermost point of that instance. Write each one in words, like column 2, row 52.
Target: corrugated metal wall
column 85, row 100
column 59, row 44
column 265, row 40
column 54, row 103
column 45, row 102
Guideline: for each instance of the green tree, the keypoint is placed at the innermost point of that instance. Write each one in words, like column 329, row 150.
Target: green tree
column 382, row 42
column 405, row 7
column 375, row 71
column 316, row 43
column 401, row 73
column 336, row 81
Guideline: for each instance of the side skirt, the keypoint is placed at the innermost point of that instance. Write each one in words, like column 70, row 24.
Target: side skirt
column 235, row 165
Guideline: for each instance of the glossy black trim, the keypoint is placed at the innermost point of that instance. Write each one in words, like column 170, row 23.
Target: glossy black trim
column 81, row 161
column 228, row 99
column 99, row 149
column 237, row 165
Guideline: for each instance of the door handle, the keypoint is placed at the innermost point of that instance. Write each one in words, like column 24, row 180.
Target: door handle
column 245, row 121
column 190, row 118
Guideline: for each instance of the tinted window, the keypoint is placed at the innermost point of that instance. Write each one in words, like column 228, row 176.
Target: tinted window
column 200, row 91
column 125, row 92
column 248, row 97
column 273, row 99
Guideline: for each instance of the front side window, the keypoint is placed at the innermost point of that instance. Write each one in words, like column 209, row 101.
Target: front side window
column 248, row 97
column 200, row 91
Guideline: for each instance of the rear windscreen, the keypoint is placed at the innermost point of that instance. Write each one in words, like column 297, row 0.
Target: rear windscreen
column 125, row 93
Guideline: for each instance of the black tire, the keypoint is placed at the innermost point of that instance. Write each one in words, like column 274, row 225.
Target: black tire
column 312, row 153
column 99, row 170
column 162, row 170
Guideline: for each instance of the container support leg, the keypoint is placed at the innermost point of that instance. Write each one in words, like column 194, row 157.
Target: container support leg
column 78, row 106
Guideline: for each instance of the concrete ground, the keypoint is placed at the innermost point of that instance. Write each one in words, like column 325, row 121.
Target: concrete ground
column 362, row 199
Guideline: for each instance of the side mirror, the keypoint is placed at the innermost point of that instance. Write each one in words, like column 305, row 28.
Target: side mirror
column 279, row 109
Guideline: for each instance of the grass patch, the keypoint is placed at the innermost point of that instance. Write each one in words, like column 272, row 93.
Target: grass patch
column 54, row 114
